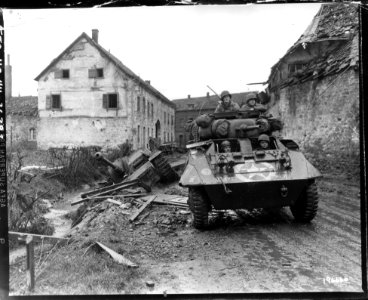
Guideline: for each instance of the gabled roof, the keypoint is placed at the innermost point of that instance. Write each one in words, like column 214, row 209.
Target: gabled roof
column 334, row 21
column 25, row 106
column 206, row 102
column 114, row 60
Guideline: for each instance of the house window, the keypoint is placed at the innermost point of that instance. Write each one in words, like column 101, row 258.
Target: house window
column 53, row 101
column 172, row 120
column 64, row 73
column 95, row 73
column 296, row 67
column 138, row 103
column 164, row 117
column 190, row 106
column 32, row 134
column 152, row 111
column 139, row 135
column 148, row 109
column 144, row 106
column 110, row 101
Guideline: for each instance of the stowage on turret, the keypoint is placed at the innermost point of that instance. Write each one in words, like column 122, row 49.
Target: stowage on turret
column 238, row 161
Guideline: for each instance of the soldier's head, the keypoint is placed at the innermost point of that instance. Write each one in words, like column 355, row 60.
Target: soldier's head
column 251, row 100
column 226, row 146
column 226, row 98
column 264, row 141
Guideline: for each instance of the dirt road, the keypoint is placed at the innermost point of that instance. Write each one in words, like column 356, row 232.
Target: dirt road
column 265, row 251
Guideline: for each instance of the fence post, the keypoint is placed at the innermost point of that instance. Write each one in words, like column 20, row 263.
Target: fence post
column 30, row 263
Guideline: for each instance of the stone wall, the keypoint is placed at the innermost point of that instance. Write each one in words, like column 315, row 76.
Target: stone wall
column 18, row 132
column 321, row 115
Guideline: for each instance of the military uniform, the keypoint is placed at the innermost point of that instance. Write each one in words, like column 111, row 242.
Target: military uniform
column 232, row 107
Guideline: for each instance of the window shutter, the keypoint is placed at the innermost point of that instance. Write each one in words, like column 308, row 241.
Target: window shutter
column 58, row 74
column 48, row 101
column 105, row 101
column 92, row 73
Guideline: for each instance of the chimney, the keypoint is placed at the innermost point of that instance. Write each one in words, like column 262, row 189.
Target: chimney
column 208, row 94
column 8, row 80
column 95, row 35
column 148, row 81
column 188, row 96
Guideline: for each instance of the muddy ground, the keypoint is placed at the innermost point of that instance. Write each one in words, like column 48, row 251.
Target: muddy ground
column 242, row 252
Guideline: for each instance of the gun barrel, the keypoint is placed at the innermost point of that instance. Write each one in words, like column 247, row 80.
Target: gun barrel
column 100, row 157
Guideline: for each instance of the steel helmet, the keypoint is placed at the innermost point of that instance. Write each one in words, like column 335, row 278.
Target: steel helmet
column 264, row 137
column 250, row 97
column 225, row 144
column 225, row 93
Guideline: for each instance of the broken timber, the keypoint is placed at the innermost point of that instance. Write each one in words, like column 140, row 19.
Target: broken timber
column 106, row 197
column 117, row 257
column 38, row 237
column 110, row 188
column 143, row 207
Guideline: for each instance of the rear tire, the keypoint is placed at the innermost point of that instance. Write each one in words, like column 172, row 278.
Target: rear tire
column 305, row 208
column 200, row 206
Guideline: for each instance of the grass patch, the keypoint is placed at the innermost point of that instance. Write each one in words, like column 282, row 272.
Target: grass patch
column 71, row 271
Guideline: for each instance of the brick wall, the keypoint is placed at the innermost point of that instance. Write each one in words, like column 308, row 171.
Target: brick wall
column 322, row 115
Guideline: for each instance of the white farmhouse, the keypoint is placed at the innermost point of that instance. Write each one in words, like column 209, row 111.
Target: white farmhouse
column 87, row 97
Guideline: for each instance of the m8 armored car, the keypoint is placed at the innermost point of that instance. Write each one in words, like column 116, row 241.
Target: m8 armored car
column 247, row 176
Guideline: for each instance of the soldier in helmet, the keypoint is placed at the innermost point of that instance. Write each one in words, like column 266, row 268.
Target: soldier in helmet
column 226, row 104
column 225, row 147
column 264, row 142
column 252, row 105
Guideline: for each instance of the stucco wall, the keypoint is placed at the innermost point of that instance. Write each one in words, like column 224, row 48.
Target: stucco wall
column 82, row 119
column 59, row 132
column 322, row 114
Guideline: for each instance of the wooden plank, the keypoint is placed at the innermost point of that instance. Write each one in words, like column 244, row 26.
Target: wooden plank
column 171, row 203
column 30, row 272
column 37, row 237
column 117, row 257
column 143, row 207
column 75, row 202
column 110, row 187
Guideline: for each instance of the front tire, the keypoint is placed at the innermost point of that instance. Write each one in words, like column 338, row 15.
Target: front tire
column 305, row 208
column 200, row 206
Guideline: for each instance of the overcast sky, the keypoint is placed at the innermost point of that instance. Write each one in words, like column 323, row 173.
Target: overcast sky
column 180, row 49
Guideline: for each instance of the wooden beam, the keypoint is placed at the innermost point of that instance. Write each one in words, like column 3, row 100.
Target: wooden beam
column 110, row 187
column 37, row 237
column 142, row 208
column 106, row 197
column 30, row 272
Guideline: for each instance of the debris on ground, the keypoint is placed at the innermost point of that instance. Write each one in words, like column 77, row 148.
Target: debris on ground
column 116, row 256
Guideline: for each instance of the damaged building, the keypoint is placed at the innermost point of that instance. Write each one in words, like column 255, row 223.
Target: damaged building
column 86, row 96
column 314, row 87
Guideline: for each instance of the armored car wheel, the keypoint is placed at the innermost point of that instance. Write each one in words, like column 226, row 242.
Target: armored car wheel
column 200, row 206
column 305, row 208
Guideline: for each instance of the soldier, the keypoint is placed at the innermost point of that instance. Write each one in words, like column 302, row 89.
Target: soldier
column 252, row 105
column 226, row 147
column 264, row 142
column 226, row 104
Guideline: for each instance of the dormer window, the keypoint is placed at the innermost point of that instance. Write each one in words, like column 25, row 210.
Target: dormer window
column 62, row 74
column 95, row 73
column 190, row 106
